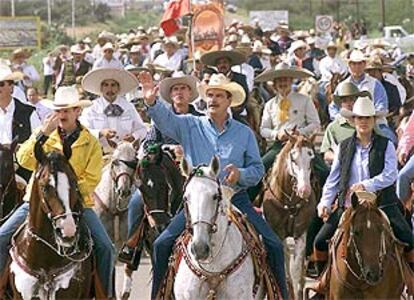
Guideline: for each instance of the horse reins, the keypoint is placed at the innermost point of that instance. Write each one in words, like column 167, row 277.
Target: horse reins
column 130, row 164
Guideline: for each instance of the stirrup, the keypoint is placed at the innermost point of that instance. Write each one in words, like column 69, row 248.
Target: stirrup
column 128, row 255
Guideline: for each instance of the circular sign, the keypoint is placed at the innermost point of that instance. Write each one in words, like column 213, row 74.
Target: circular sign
column 324, row 23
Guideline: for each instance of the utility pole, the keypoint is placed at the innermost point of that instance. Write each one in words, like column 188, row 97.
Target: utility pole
column 73, row 19
column 310, row 8
column 12, row 9
column 49, row 13
column 357, row 10
column 383, row 12
column 338, row 4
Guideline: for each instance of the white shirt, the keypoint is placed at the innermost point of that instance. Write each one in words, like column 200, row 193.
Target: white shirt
column 19, row 94
column 129, row 122
column 401, row 89
column 172, row 63
column 302, row 115
column 103, row 63
column 48, row 63
column 248, row 71
column 6, row 121
column 329, row 65
column 29, row 71
column 42, row 111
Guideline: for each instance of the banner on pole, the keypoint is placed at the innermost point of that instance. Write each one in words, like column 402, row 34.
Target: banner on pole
column 324, row 23
column 208, row 26
column 20, row 32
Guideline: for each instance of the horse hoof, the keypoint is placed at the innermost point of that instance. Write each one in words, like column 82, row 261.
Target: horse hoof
column 125, row 296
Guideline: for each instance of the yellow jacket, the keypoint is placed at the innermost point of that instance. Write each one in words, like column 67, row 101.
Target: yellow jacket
column 86, row 160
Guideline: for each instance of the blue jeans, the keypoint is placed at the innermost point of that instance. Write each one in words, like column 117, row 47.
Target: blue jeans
column 135, row 212
column 405, row 176
column 103, row 248
column 164, row 243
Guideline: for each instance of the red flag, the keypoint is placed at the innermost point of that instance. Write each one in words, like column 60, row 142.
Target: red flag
column 174, row 10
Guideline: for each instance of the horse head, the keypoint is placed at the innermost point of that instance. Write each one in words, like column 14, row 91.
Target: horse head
column 122, row 168
column 298, row 161
column 6, row 168
column 155, row 180
column 59, row 200
column 204, row 203
column 369, row 239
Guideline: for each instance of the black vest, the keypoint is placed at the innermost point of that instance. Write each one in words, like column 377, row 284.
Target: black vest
column 21, row 126
column 376, row 165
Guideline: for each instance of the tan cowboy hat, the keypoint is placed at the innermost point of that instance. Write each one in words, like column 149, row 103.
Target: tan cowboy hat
column 283, row 70
column 357, row 56
column 172, row 40
column 380, row 43
column 108, row 46
column 220, row 81
column 20, row 52
column 348, row 89
column 178, row 78
column 363, row 107
column 76, row 49
column 297, row 45
column 7, row 74
column 235, row 57
column 66, row 97
column 332, row 44
column 91, row 82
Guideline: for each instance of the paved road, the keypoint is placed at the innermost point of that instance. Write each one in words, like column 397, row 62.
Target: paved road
column 141, row 280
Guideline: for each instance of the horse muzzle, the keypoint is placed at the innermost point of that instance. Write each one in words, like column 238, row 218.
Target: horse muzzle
column 373, row 277
column 200, row 250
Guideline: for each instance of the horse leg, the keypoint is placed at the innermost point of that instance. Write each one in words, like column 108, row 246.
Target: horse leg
column 127, row 285
column 287, row 245
column 297, row 272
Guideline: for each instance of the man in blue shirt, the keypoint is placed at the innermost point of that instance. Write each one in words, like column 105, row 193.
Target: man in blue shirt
column 235, row 145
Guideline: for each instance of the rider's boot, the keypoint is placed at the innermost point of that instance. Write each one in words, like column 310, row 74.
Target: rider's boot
column 320, row 267
column 130, row 256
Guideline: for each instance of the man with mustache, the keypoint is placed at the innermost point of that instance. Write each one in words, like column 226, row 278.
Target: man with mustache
column 112, row 118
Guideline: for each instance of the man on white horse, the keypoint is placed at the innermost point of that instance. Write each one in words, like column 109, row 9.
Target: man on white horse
column 179, row 91
column 86, row 159
column 235, row 145
column 111, row 118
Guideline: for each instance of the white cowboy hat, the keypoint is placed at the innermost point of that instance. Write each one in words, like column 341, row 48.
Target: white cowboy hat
column 135, row 49
column 283, row 70
column 91, row 82
column 332, row 44
column 172, row 40
column 66, row 97
column 297, row 45
column 7, row 74
column 235, row 57
column 76, row 49
column 108, row 46
column 178, row 78
column 357, row 56
column 220, row 81
column 363, row 107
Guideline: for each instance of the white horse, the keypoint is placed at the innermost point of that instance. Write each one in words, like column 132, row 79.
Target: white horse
column 114, row 191
column 216, row 243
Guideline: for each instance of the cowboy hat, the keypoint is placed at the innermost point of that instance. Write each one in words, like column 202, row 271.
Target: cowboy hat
column 220, row 81
column 332, row 44
column 75, row 49
column 235, row 57
column 348, row 89
column 87, row 40
column 108, row 46
column 20, row 52
column 92, row 81
column 135, row 49
column 66, row 97
column 283, row 70
column 357, row 56
column 380, row 43
column 297, row 45
column 363, row 107
column 6, row 74
column 178, row 78
column 172, row 40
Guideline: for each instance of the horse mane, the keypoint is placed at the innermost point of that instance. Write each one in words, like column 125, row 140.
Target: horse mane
column 280, row 177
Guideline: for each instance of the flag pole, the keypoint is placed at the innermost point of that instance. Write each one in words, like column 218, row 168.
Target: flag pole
column 190, row 27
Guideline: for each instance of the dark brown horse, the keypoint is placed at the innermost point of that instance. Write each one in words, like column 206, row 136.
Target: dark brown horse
column 161, row 185
column 366, row 257
column 331, row 86
column 51, row 252
column 10, row 195
column 289, row 203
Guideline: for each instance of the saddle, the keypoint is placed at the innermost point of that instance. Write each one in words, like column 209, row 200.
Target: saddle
column 255, row 247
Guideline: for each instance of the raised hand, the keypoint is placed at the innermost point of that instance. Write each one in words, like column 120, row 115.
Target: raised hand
column 149, row 89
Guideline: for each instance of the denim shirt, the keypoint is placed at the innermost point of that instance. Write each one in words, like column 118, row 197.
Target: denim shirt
column 201, row 140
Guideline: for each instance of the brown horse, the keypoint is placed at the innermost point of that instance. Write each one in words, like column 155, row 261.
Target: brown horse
column 366, row 257
column 10, row 195
column 160, row 182
column 51, row 252
column 289, row 203
column 332, row 84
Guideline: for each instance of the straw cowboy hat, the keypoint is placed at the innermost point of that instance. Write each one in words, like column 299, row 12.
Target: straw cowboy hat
column 91, row 82
column 235, row 57
column 66, row 97
column 380, row 43
column 20, row 52
column 357, row 56
column 220, row 81
column 135, row 49
column 283, row 70
column 75, row 49
column 363, row 107
column 108, row 46
column 178, row 78
column 332, row 44
column 297, row 45
column 348, row 89
column 376, row 64
column 172, row 40
column 6, row 74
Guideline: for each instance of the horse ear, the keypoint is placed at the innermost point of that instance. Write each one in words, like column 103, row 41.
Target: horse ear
column 354, row 201
column 312, row 137
column 215, row 165
column 13, row 145
column 186, row 168
column 39, row 153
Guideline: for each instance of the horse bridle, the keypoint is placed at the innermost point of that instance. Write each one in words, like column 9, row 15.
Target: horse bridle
column 198, row 172
column 358, row 256
column 116, row 177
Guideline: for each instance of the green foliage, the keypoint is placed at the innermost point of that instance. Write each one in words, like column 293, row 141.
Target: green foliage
column 102, row 12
